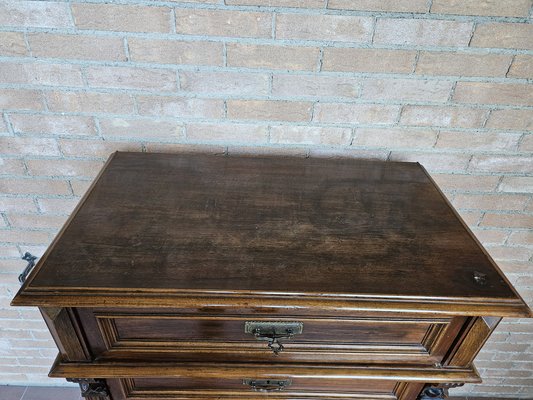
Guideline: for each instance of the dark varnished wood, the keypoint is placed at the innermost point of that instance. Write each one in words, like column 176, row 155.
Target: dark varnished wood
column 66, row 332
column 135, row 334
column 147, row 287
column 181, row 224
column 136, row 388
column 109, row 369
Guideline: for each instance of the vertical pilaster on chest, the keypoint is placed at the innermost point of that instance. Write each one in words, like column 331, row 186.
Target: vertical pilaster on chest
column 67, row 335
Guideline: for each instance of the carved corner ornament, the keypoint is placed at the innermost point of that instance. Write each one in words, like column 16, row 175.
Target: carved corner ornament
column 92, row 387
column 437, row 391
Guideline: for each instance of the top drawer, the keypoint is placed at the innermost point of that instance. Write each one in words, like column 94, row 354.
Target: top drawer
column 165, row 335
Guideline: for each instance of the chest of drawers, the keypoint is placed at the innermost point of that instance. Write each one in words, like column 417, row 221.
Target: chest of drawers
column 212, row 277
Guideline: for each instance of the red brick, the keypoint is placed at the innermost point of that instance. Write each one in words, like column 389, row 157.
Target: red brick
column 77, row 168
column 90, row 102
column 21, row 99
column 145, row 128
column 511, row 119
column 80, row 187
column 497, row 8
column 341, row 28
column 11, row 166
column 487, row 141
column 277, row 3
column 23, row 236
column 511, row 163
column 462, row 64
column 272, row 57
column 180, row 107
column 422, row 32
column 53, row 124
column 519, row 184
column 183, row 148
column 224, row 83
column 15, row 204
column 336, row 153
column 522, row 67
column 95, row 148
column 12, row 44
column 521, row 238
column 471, row 218
column 317, row 86
column 443, row 116
column 41, row 74
column 434, row 161
column 223, row 23
column 266, row 110
column 9, row 251
column 491, row 236
column 36, row 221
column 355, row 113
column 313, row 135
column 368, row 60
column 58, row 206
column 243, row 133
column 83, row 47
column 493, row 93
column 503, row 35
column 127, row 18
column 527, row 143
column 29, row 146
column 414, row 6
column 176, row 52
column 36, row 14
column 131, row 78
column 268, row 151
column 507, row 220
column 491, row 201
column 406, row 89
column 394, row 137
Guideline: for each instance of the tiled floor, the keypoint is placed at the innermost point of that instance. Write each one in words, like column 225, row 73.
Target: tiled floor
column 39, row 393
column 72, row 393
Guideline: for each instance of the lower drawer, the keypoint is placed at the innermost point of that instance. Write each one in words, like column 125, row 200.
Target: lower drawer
column 252, row 389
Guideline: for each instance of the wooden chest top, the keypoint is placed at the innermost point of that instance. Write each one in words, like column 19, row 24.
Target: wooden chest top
column 155, row 229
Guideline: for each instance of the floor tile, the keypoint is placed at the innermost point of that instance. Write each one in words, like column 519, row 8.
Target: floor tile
column 51, row 393
column 11, row 392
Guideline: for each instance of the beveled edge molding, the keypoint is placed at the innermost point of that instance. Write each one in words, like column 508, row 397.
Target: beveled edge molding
column 110, row 369
column 85, row 297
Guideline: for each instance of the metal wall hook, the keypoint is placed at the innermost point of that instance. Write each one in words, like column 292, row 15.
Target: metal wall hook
column 31, row 263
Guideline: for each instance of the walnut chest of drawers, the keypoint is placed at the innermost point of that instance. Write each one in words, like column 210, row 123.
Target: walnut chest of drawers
column 213, row 277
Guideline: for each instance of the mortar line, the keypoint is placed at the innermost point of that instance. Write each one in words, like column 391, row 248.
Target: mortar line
column 256, row 71
column 173, row 27
column 313, row 11
column 474, row 27
column 126, row 48
column 510, row 64
column 265, row 41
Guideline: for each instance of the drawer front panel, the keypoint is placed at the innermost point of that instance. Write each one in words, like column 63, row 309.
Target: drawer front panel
column 134, row 335
column 181, row 388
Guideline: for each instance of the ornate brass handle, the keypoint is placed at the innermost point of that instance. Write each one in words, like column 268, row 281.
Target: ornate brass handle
column 273, row 332
column 267, row 385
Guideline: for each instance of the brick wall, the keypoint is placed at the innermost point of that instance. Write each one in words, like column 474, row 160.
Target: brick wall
column 442, row 82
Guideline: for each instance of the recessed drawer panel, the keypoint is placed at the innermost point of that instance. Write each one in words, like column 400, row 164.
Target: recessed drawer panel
column 250, row 388
column 162, row 336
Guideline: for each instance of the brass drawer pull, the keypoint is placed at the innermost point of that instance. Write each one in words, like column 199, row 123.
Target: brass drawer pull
column 267, row 385
column 273, row 332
